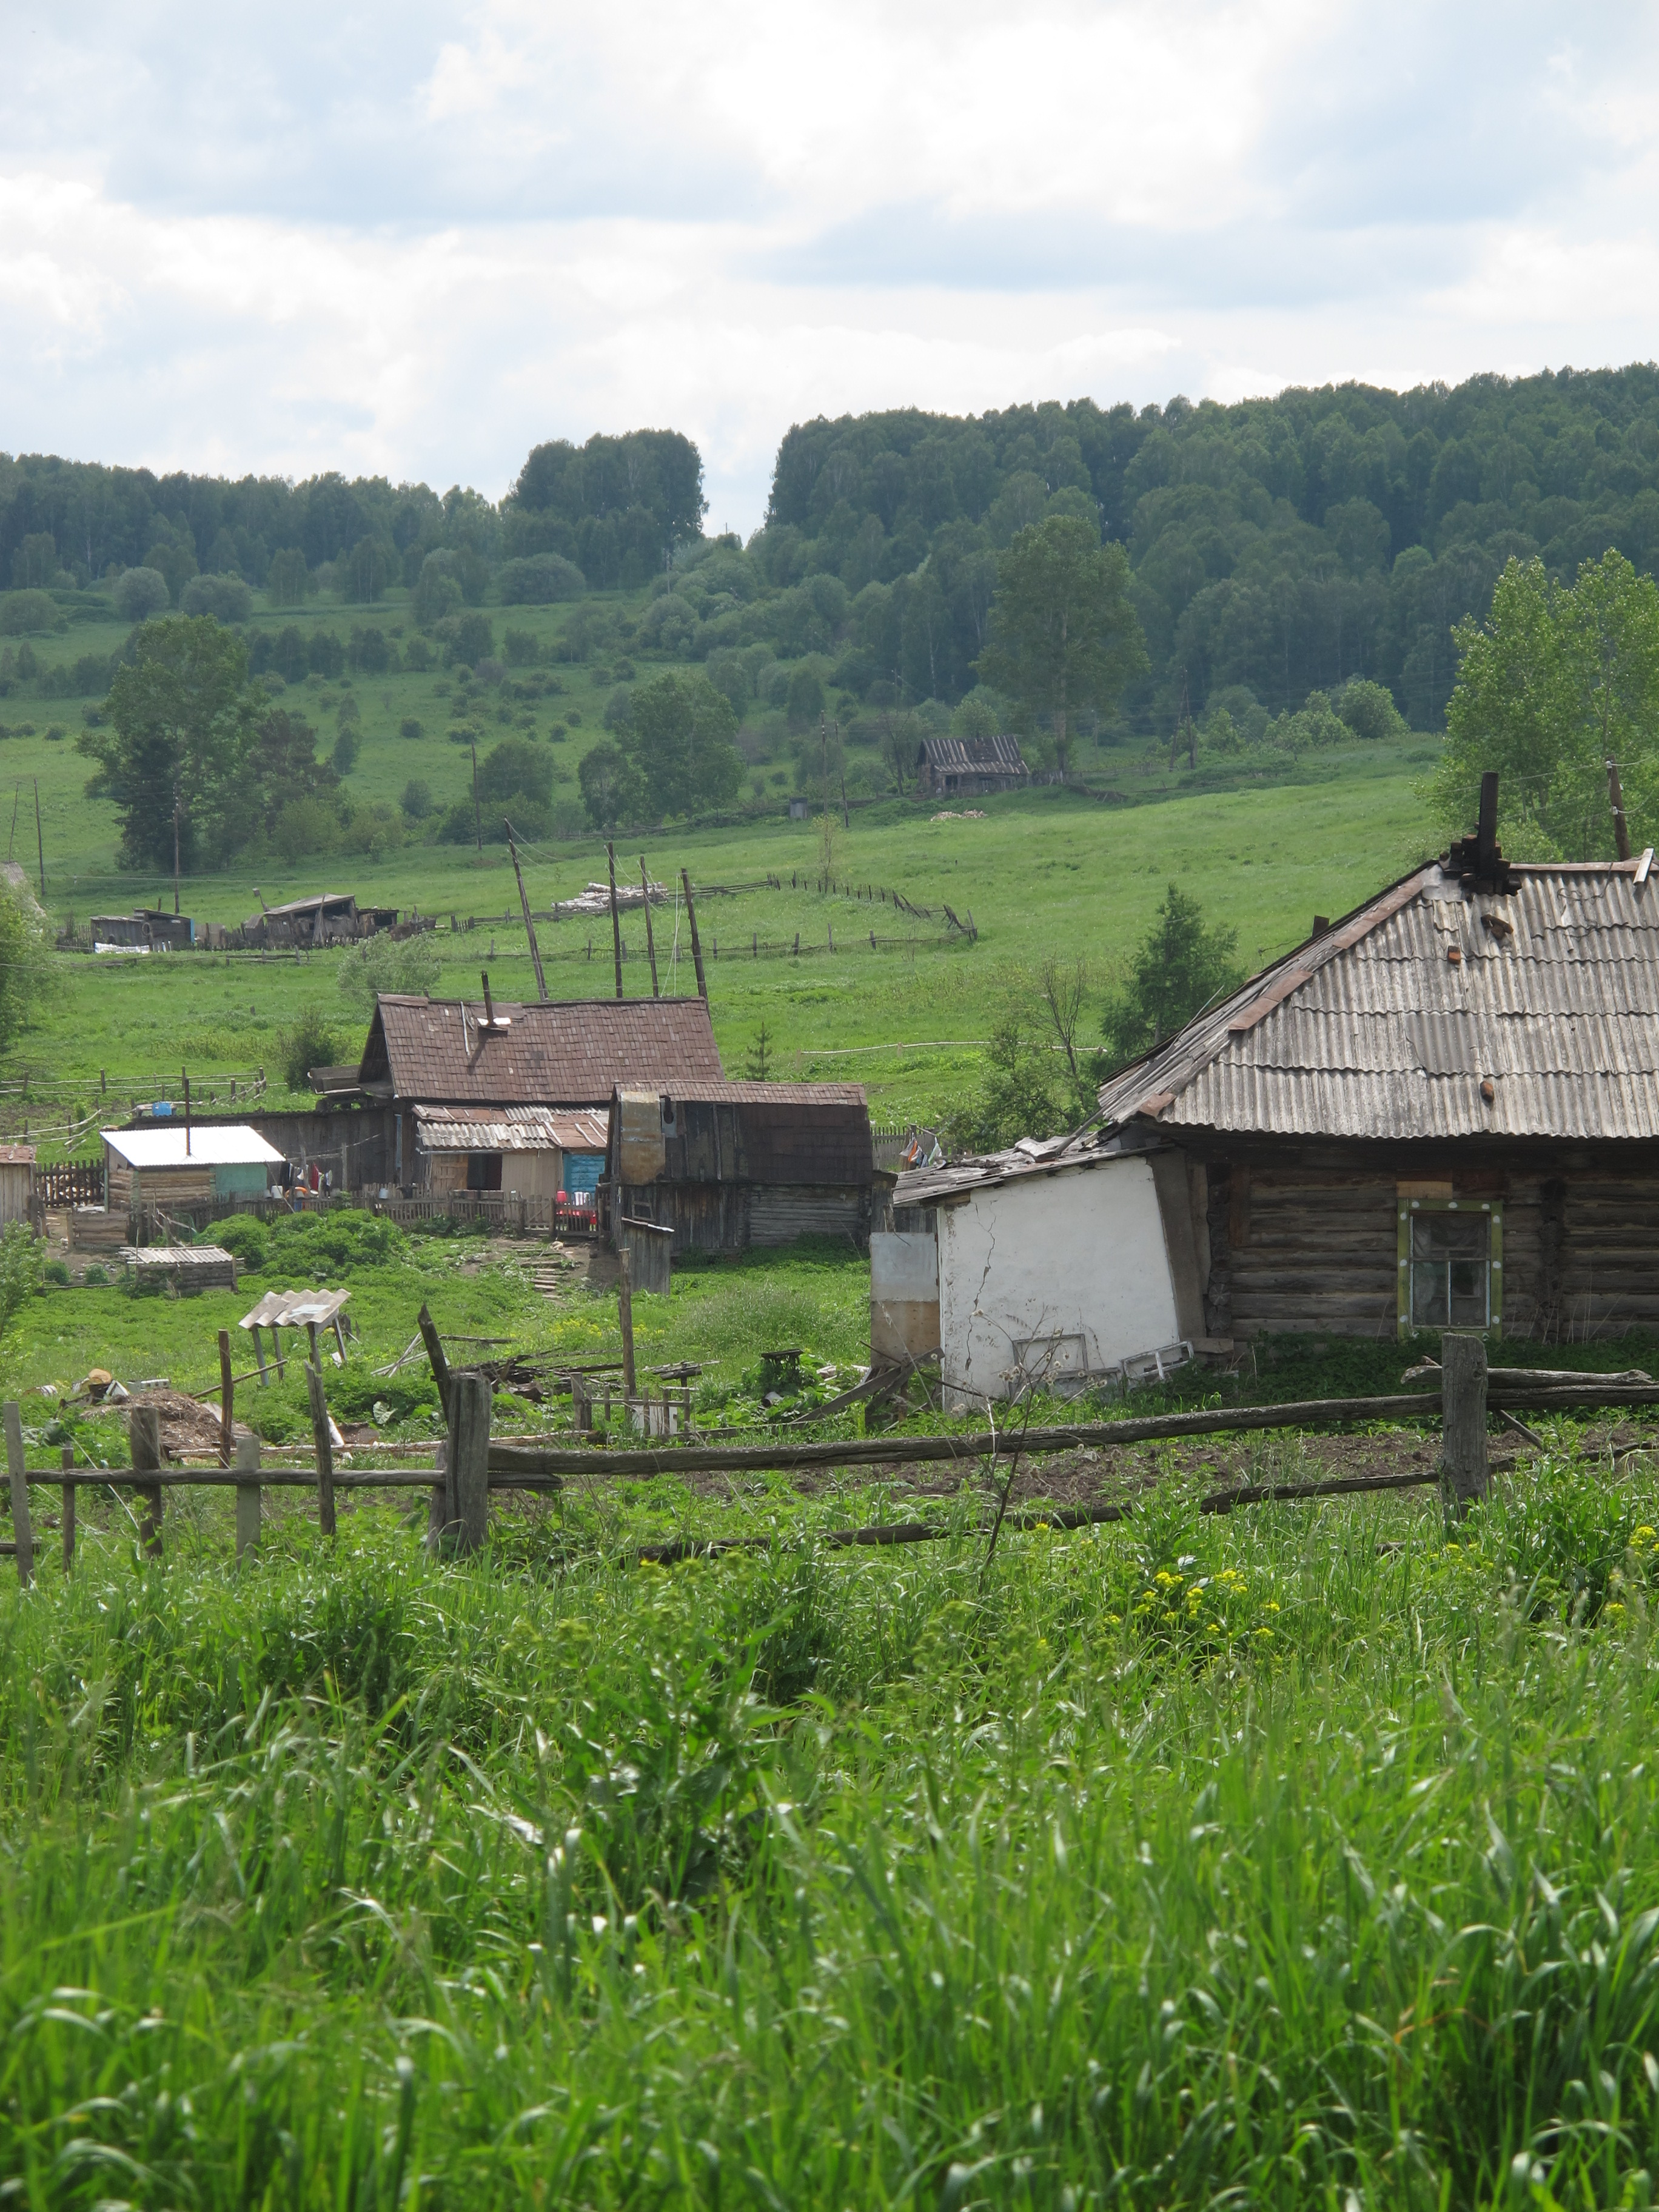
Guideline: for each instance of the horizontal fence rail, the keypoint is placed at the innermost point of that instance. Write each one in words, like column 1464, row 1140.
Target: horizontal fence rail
column 469, row 1465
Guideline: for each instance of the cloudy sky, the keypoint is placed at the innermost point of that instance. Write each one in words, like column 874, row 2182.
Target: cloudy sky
column 415, row 240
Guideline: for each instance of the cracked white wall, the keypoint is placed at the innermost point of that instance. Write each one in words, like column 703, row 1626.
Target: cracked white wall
column 1079, row 1255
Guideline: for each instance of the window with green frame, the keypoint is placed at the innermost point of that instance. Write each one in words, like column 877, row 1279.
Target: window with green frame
column 1451, row 1263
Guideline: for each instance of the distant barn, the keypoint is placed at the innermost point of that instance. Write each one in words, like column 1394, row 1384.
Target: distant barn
column 969, row 767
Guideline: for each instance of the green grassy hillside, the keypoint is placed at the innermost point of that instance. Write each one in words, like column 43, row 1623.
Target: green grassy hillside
column 1045, row 871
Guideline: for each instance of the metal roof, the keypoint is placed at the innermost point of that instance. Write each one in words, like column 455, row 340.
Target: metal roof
column 17, row 1156
column 999, row 756
column 509, row 1129
column 572, row 1053
column 212, row 1144
column 1374, row 1031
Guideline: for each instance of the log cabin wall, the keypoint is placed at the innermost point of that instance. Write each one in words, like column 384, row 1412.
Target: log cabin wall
column 1304, row 1238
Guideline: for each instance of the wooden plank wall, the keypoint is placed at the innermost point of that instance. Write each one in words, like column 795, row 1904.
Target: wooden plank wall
column 1312, row 1247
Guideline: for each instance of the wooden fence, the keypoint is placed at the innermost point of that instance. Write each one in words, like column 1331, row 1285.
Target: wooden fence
column 72, row 1183
column 469, row 1465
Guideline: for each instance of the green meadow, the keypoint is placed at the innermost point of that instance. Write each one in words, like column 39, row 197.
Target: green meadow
column 1073, row 872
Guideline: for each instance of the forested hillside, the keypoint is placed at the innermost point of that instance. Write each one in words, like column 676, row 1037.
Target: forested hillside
column 1284, row 544
column 1277, row 548
column 613, row 509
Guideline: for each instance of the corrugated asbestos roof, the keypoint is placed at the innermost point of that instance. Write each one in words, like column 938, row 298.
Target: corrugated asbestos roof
column 571, row 1054
column 1372, row 1031
column 509, row 1129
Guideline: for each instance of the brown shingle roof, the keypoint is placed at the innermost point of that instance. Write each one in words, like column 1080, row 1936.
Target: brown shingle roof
column 571, row 1054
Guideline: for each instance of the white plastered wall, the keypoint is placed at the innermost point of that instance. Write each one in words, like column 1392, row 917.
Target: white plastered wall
column 1077, row 1254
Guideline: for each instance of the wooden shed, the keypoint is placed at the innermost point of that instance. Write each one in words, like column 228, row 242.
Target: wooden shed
column 726, row 1165
column 968, row 768
column 16, row 1181
column 174, row 1165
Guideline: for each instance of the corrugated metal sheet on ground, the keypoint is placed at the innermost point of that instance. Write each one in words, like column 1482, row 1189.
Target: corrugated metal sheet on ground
column 1384, row 1036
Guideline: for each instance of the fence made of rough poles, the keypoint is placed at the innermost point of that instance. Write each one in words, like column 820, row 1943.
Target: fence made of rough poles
column 470, row 1464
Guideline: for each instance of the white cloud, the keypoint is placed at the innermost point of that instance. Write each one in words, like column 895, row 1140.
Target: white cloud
column 417, row 242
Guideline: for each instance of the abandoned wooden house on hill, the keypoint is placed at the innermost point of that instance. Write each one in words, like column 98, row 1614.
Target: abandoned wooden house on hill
column 968, row 768
column 1443, row 1111
column 728, row 1165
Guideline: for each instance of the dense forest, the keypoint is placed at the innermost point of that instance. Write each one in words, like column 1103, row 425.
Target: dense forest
column 1282, row 545
column 1277, row 548
column 614, row 509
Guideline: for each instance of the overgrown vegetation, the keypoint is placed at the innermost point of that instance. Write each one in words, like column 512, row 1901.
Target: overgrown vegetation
column 1253, row 1854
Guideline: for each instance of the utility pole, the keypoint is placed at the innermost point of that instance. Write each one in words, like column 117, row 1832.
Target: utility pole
column 650, row 939
column 1621, row 827
column 175, row 848
column 12, row 840
column 478, row 826
column 615, row 916
column 529, row 926
column 696, row 949
column 39, row 840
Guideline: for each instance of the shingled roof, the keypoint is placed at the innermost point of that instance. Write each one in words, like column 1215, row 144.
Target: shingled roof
column 573, row 1053
column 1394, row 1024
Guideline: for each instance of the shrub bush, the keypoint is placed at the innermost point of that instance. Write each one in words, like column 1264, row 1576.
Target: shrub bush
column 227, row 597
column 538, row 581
column 247, row 1238
column 139, row 593
column 22, row 612
column 313, row 1041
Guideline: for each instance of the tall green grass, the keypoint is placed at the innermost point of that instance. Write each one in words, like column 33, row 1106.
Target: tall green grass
column 1298, row 1857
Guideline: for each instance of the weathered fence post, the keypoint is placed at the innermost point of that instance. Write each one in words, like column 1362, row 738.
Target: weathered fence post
column 20, row 1492
column 227, row 1399
column 144, row 1437
column 1463, row 1467
column 625, row 1317
column 68, row 1458
column 248, row 1497
column 325, row 1444
column 434, row 1353
column 469, row 1457
column 440, row 1513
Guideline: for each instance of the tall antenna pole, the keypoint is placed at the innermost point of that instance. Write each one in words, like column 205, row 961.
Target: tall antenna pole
column 175, row 848
column 12, row 840
column 478, row 826
column 696, row 949
column 529, row 926
column 615, row 918
column 39, row 840
column 650, row 940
